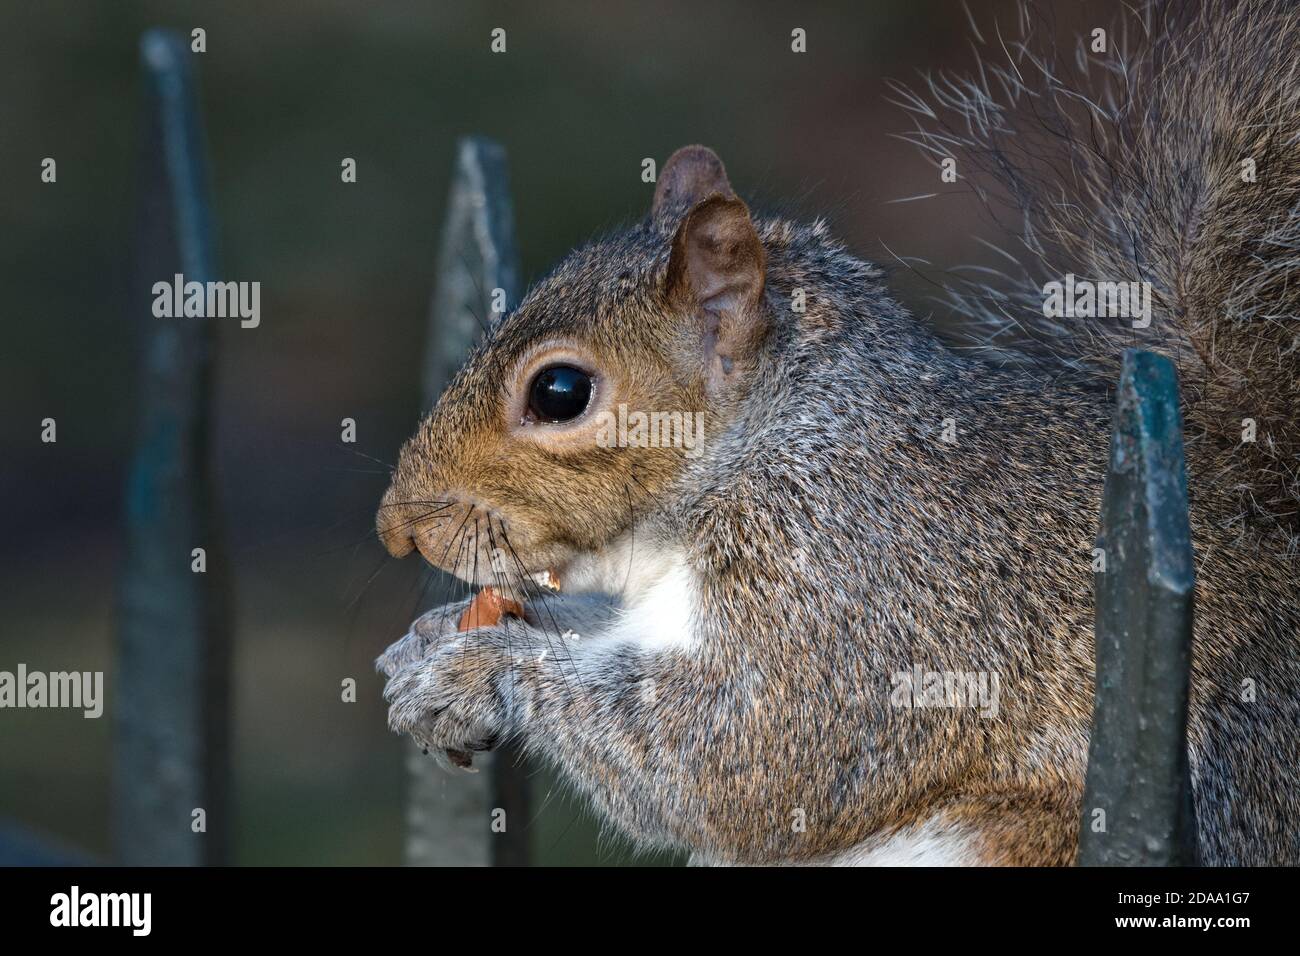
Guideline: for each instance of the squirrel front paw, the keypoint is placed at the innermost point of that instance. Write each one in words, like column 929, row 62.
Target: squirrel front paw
column 452, row 701
column 427, row 633
column 454, row 692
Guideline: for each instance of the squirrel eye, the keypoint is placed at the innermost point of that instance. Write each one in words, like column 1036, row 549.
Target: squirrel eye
column 559, row 393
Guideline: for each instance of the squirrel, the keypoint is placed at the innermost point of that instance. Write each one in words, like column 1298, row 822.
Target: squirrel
column 712, row 642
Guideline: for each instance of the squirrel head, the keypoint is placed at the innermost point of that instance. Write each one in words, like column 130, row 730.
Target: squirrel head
column 578, row 408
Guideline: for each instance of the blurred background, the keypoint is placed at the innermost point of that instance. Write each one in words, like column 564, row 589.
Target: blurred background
column 584, row 93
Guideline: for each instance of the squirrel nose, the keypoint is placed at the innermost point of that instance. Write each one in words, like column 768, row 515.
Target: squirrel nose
column 399, row 543
column 407, row 526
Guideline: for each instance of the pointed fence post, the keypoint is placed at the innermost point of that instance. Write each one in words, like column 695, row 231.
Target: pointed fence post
column 449, row 817
column 1138, row 796
column 171, row 691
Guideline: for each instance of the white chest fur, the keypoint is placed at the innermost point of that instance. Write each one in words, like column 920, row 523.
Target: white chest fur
column 934, row 843
column 655, row 586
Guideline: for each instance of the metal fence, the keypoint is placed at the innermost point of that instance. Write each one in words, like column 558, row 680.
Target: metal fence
column 448, row 817
column 1137, row 808
column 171, row 770
column 171, row 762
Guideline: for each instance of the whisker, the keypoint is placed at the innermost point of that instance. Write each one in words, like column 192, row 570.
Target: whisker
column 631, row 549
column 380, row 532
column 309, row 530
column 496, row 571
column 527, row 575
column 379, row 461
column 453, row 579
column 383, row 563
column 478, row 288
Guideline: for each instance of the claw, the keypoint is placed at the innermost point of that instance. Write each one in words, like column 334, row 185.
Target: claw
column 461, row 758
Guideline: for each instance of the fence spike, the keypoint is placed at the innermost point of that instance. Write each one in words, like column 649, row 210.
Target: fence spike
column 477, row 257
column 171, row 687
column 1138, row 807
column 449, row 817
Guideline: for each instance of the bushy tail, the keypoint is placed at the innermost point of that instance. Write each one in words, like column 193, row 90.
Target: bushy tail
column 1172, row 158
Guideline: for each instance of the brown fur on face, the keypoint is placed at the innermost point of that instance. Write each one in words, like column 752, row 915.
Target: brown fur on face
column 667, row 331
column 534, row 491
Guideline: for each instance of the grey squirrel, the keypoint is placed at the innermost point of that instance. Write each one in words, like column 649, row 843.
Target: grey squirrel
column 714, row 642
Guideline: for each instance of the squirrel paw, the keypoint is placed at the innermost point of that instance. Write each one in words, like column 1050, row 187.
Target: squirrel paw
column 426, row 634
column 450, row 701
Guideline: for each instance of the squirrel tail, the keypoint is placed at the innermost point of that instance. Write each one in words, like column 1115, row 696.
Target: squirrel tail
column 1164, row 151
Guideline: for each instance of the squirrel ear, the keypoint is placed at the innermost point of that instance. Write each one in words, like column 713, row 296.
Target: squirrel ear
column 716, row 271
column 691, row 174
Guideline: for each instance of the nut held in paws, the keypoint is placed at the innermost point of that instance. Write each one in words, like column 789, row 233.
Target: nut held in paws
column 487, row 609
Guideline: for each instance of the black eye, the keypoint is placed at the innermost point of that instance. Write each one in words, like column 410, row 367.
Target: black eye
column 559, row 393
